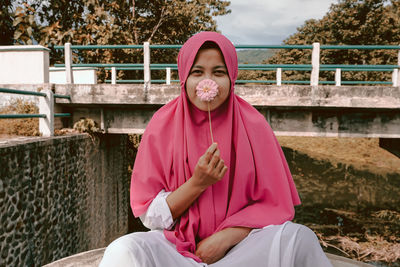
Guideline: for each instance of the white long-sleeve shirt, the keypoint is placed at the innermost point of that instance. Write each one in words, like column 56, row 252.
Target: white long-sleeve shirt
column 158, row 215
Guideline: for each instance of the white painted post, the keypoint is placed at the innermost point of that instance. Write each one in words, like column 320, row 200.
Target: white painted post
column 398, row 68
column 113, row 75
column 146, row 65
column 395, row 77
column 279, row 76
column 168, row 76
column 68, row 63
column 46, row 106
column 338, row 77
column 315, row 64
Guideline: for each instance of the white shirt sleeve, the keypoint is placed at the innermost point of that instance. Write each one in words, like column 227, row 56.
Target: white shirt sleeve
column 158, row 215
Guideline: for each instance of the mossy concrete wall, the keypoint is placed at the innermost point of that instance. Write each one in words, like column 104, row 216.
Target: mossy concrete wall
column 60, row 196
column 63, row 195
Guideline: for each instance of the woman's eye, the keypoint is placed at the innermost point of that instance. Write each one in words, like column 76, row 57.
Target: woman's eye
column 196, row 72
column 220, row 72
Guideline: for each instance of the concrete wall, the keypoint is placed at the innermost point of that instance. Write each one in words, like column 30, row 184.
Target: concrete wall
column 292, row 110
column 81, row 75
column 26, row 64
column 60, row 196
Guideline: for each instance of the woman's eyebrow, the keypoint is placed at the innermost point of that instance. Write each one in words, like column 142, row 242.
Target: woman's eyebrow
column 220, row 66
column 198, row 66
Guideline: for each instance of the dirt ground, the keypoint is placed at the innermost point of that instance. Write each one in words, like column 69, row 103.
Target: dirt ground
column 366, row 234
column 362, row 153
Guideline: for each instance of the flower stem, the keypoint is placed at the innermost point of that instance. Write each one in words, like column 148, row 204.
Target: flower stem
column 209, row 119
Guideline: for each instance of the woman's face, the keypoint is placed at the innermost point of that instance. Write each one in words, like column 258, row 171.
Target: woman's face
column 209, row 64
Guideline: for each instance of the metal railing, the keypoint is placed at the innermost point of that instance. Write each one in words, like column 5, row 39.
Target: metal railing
column 315, row 67
column 46, row 109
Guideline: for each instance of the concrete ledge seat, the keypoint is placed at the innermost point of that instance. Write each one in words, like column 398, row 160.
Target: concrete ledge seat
column 93, row 257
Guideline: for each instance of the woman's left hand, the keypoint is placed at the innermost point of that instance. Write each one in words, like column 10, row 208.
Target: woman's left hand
column 213, row 248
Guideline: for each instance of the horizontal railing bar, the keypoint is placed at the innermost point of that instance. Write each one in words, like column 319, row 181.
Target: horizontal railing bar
column 244, row 46
column 141, row 81
column 160, row 46
column 109, row 65
column 274, row 46
column 241, row 66
column 365, row 82
column 255, row 81
column 62, row 96
column 263, row 81
column 360, row 47
column 62, row 114
column 88, row 47
column 21, row 116
column 21, row 92
column 141, row 68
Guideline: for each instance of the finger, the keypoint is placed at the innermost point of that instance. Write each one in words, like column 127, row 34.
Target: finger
column 207, row 157
column 212, row 148
column 217, row 152
column 214, row 161
column 220, row 166
column 223, row 171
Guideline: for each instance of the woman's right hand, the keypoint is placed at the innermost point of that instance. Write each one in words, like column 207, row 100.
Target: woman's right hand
column 210, row 168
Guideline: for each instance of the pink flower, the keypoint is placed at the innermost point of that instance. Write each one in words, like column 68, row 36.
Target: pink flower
column 207, row 90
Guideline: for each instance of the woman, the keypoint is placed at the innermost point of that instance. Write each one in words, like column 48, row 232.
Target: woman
column 227, row 203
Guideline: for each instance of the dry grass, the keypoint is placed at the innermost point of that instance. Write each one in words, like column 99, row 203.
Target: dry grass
column 362, row 153
column 18, row 127
column 374, row 249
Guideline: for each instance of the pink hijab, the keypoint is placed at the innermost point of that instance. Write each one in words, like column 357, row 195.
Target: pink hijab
column 257, row 189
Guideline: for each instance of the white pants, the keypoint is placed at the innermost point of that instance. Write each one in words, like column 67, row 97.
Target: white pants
column 283, row 245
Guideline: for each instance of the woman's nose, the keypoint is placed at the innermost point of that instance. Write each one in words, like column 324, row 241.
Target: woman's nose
column 208, row 75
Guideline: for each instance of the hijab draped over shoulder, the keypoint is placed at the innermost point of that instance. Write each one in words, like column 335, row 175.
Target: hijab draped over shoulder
column 257, row 190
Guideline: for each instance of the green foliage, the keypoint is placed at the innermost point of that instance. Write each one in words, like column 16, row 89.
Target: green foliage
column 348, row 22
column 115, row 22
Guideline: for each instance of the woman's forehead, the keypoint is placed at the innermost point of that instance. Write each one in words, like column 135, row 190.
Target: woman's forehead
column 209, row 56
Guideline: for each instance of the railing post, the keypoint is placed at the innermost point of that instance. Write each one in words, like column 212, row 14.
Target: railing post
column 279, row 76
column 113, row 75
column 398, row 68
column 315, row 64
column 395, row 77
column 338, row 77
column 68, row 63
column 146, row 65
column 168, row 76
column 46, row 106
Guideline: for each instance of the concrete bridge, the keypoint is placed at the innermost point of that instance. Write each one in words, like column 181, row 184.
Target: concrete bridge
column 291, row 110
column 331, row 111
column 352, row 111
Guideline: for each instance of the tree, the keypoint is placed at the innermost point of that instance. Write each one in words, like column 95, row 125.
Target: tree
column 348, row 22
column 121, row 22
column 6, row 24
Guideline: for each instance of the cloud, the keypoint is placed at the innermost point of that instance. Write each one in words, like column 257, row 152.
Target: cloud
column 269, row 21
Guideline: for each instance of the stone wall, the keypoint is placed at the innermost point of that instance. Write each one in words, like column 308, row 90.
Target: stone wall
column 60, row 196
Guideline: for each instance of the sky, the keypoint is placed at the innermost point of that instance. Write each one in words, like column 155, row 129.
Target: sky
column 268, row 21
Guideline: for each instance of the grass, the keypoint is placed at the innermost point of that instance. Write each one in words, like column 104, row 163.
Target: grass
column 18, row 127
